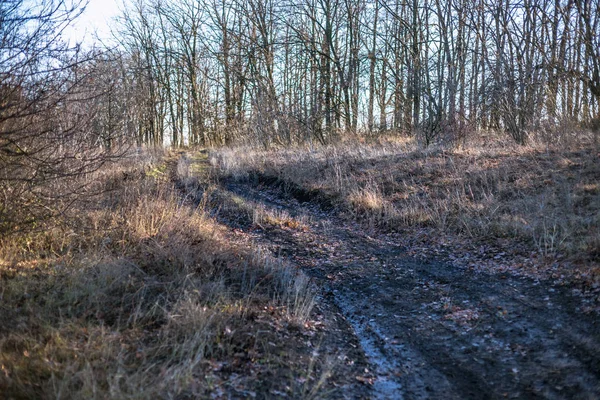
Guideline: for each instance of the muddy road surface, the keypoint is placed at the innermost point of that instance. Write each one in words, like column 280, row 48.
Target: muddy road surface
column 431, row 330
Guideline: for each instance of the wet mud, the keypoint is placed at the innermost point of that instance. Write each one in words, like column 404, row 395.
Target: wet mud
column 431, row 330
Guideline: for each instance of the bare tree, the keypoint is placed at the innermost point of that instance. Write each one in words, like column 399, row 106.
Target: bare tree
column 280, row 71
column 47, row 108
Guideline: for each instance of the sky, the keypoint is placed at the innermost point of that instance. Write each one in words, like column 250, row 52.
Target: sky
column 96, row 18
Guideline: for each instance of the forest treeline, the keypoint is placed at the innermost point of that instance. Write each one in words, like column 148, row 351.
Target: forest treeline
column 212, row 71
column 279, row 72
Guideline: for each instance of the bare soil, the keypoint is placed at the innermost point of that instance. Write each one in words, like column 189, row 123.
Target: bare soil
column 429, row 327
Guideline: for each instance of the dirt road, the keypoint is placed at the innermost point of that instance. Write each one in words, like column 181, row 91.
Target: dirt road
column 431, row 330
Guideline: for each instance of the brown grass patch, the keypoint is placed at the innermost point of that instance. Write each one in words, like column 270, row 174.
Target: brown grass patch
column 135, row 294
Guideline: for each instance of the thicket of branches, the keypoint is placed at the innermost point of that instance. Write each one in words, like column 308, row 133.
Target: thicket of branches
column 281, row 71
column 52, row 108
column 213, row 72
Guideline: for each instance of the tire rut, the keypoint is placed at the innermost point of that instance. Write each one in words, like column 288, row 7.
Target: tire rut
column 431, row 330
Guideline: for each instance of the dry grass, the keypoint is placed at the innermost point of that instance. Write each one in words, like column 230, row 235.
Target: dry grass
column 136, row 294
column 249, row 213
column 535, row 199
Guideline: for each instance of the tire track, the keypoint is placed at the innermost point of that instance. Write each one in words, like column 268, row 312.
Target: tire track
column 431, row 330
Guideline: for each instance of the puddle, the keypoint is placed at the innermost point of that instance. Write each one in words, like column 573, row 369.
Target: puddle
column 385, row 386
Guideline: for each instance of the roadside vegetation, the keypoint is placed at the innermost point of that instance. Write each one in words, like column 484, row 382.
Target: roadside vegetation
column 138, row 293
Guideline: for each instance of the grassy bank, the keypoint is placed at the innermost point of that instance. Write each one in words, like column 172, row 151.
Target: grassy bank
column 137, row 293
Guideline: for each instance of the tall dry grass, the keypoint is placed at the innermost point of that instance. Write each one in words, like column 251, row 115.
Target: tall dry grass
column 136, row 294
